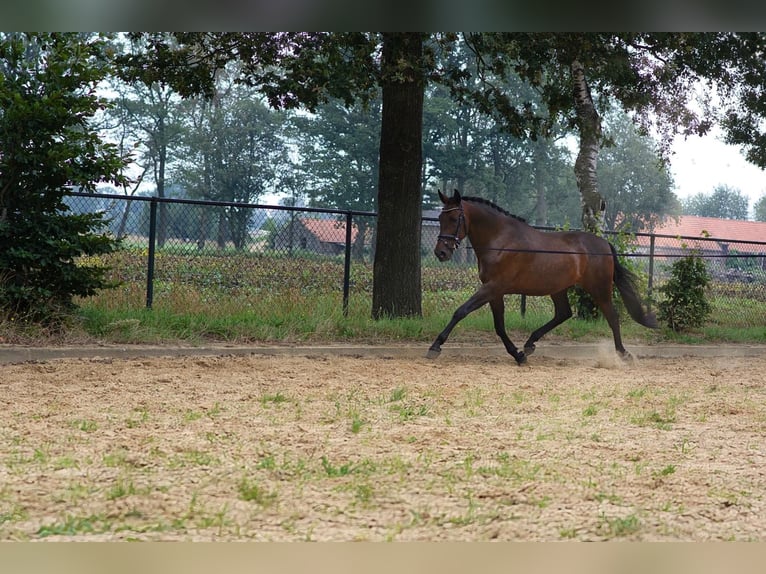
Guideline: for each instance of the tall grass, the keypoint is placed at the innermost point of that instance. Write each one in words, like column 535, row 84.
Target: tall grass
column 257, row 298
column 194, row 316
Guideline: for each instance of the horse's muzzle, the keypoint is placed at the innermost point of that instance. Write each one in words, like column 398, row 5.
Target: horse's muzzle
column 442, row 252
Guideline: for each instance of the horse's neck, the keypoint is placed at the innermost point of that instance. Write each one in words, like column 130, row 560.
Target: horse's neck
column 486, row 224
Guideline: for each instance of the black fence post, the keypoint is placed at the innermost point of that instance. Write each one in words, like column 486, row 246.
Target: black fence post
column 150, row 261
column 347, row 265
column 650, row 284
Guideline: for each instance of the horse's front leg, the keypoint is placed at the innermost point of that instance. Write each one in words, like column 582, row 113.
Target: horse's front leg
column 476, row 301
column 562, row 312
column 498, row 315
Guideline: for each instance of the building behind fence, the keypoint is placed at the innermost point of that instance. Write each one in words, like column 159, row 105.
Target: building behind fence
column 249, row 246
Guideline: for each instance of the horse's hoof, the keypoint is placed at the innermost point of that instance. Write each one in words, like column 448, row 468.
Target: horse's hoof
column 521, row 358
column 529, row 350
column 433, row 353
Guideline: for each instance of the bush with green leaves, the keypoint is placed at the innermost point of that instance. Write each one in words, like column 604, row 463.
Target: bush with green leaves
column 684, row 305
column 48, row 95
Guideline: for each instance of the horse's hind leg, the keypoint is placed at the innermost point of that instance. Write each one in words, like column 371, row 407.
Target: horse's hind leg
column 562, row 312
column 613, row 318
column 498, row 315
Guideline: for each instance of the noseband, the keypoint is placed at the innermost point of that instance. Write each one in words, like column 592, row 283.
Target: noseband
column 460, row 219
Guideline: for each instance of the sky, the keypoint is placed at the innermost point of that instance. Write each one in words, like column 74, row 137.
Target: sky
column 700, row 164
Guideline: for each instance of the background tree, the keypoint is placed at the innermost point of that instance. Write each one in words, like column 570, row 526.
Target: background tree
column 655, row 76
column 233, row 151
column 724, row 202
column 745, row 94
column 469, row 151
column 635, row 184
column 759, row 209
column 47, row 146
column 152, row 114
column 338, row 147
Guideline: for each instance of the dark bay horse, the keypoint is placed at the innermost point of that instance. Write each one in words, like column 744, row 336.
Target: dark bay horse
column 514, row 257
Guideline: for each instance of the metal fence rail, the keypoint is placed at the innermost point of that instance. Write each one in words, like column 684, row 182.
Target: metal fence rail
column 266, row 248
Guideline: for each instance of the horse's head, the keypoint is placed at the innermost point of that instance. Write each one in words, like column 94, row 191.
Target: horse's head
column 452, row 226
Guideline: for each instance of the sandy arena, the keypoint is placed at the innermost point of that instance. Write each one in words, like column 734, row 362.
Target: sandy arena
column 373, row 444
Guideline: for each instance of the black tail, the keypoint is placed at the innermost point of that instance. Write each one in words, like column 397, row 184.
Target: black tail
column 625, row 281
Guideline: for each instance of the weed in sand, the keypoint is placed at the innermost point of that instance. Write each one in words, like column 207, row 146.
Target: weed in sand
column 363, row 493
column 665, row 471
column 591, row 410
column 84, row 425
column 251, row 491
column 120, row 489
column 65, row 462
column 568, row 533
column 357, row 422
column 192, row 457
column 75, row 492
column 115, row 459
column 75, row 525
column 12, row 513
column 335, row 471
column 662, row 421
column 268, row 462
column 274, row 399
column 217, row 519
column 620, row 526
column 397, row 394
column 139, row 418
column 191, row 416
column 409, row 411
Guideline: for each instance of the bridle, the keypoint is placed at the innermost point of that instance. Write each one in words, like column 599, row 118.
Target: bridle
column 461, row 219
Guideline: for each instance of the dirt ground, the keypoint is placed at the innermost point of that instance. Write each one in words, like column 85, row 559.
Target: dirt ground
column 385, row 445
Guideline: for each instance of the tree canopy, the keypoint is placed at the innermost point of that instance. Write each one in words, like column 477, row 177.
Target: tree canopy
column 724, row 202
column 501, row 102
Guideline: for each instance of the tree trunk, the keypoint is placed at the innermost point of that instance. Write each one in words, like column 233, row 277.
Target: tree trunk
column 396, row 286
column 540, row 169
column 589, row 125
column 162, row 220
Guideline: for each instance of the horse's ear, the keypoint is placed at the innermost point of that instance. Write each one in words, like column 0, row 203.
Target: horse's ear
column 442, row 197
column 456, row 197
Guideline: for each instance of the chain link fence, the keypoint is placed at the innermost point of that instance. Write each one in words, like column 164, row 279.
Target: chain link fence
column 232, row 249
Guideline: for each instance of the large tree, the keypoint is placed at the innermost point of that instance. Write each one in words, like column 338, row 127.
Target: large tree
column 654, row 75
column 305, row 69
column 48, row 97
column 396, row 272
column 744, row 91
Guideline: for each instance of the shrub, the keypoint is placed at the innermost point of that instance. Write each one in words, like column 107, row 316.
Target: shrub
column 685, row 305
column 47, row 98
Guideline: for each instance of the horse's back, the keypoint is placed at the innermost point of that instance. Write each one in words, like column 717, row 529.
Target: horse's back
column 544, row 263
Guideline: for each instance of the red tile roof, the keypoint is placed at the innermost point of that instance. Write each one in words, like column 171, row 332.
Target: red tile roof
column 713, row 234
column 694, row 226
column 328, row 230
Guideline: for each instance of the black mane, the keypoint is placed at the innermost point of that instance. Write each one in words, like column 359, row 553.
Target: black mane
column 493, row 206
